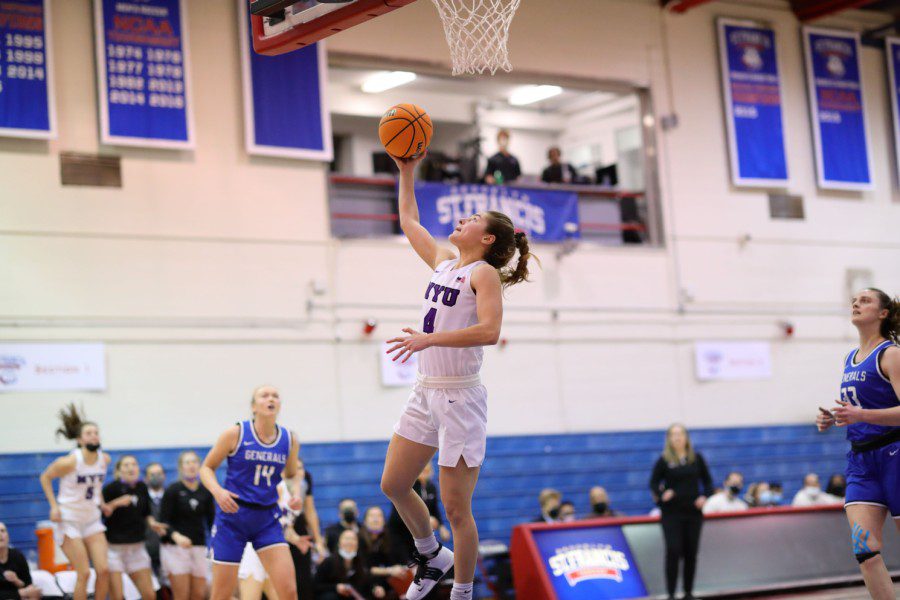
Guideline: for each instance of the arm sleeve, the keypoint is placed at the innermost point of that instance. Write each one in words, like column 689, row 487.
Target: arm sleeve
column 491, row 167
column 309, row 484
column 166, row 512
column 108, row 492
column 705, row 477
column 517, row 172
column 656, row 478
column 22, row 570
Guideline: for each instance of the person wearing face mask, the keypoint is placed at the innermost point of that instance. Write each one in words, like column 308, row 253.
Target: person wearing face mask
column 349, row 513
column 345, row 574
column 811, row 493
column 78, row 508
column 837, row 484
column 385, row 560
column 600, row 505
column 187, row 510
column 155, row 478
column 549, row 499
column 776, row 494
column 566, row 512
column 126, row 529
column 729, row 499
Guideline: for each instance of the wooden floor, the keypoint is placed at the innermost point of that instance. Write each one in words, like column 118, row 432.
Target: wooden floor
column 848, row 593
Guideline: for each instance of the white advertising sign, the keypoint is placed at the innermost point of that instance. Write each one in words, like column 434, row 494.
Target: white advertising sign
column 52, row 367
column 729, row 361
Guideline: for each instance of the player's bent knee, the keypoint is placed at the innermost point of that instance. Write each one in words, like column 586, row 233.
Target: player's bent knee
column 457, row 512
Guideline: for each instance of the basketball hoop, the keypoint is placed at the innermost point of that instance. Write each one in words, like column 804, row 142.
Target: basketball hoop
column 477, row 32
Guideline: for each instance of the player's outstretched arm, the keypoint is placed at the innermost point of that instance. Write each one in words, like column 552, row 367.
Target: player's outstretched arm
column 223, row 447
column 422, row 242
column 846, row 413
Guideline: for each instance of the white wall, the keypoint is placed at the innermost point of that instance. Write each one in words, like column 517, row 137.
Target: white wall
column 197, row 272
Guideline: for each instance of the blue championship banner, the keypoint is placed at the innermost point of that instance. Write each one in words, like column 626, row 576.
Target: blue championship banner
column 545, row 215
column 837, row 109
column 892, row 45
column 26, row 83
column 143, row 73
column 284, row 99
column 751, row 88
column 589, row 564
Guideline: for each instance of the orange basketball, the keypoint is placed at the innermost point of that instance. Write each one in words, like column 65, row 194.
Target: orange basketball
column 405, row 130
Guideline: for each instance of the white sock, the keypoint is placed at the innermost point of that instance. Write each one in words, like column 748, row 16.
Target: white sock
column 426, row 545
column 461, row 591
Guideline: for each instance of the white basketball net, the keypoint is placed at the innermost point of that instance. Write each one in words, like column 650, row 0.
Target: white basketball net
column 477, row 32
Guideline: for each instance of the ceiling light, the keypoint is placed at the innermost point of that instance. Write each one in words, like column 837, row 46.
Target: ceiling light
column 385, row 80
column 533, row 93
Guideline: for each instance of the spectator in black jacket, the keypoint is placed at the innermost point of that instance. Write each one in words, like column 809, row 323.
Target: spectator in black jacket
column 126, row 529
column 503, row 167
column 680, row 484
column 155, row 478
column 344, row 571
column 348, row 513
column 15, row 577
column 188, row 509
column 600, row 504
column 425, row 488
column 384, row 557
column 558, row 171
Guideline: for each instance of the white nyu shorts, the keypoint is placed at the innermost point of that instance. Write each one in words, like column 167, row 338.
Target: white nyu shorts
column 77, row 530
column 450, row 414
column 251, row 566
column 183, row 561
column 128, row 558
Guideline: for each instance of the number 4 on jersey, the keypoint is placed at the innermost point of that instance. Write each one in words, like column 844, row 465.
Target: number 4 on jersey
column 428, row 325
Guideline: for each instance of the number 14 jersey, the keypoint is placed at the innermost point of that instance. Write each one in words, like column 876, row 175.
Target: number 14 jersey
column 864, row 384
column 254, row 468
column 450, row 305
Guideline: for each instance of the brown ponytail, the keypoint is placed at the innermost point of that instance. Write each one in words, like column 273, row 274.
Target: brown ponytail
column 890, row 325
column 506, row 242
column 72, row 422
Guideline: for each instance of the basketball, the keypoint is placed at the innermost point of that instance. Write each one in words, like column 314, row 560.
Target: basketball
column 405, row 130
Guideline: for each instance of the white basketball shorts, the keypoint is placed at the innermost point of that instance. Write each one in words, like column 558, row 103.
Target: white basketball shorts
column 251, row 566
column 450, row 414
column 76, row 529
column 128, row 558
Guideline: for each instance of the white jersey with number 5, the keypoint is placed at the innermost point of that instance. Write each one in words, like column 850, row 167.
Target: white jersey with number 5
column 80, row 491
column 450, row 305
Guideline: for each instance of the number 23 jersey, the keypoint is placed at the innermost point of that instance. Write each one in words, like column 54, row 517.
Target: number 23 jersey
column 254, row 468
column 864, row 384
column 450, row 305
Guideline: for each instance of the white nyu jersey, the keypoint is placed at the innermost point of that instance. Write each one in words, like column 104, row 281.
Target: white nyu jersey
column 450, row 305
column 80, row 491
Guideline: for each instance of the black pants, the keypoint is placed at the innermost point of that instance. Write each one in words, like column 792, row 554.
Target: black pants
column 682, row 533
column 303, row 572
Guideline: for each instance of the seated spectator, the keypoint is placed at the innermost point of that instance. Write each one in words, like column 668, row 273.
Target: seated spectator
column 549, row 500
column 558, row 171
column 729, row 499
column 155, row 477
column 755, row 493
column 425, row 488
column 348, row 514
column 837, row 486
column 777, row 494
column 345, row 572
column 16, row 581
column 503, row 167
column 812, row 495
column 384, row 558
column 566, row 512
column 600, row 504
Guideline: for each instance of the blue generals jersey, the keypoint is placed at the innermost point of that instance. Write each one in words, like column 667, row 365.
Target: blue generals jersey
column 864, row 385
column 254, row 468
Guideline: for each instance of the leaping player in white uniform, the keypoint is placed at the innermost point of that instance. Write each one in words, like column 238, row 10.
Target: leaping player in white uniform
column 447, row 410
column 76, row 511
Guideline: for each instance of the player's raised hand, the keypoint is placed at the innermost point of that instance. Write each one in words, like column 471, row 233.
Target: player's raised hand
column 847, row 414
column 824, row 419
column 408, row 345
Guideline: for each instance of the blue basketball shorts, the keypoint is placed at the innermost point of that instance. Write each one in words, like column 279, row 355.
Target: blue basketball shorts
column 261, row 527
column 873, row 477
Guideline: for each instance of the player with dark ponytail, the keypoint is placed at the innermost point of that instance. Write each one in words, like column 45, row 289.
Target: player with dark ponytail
column 870, row 409
column 447, row 410
column 77, row 509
